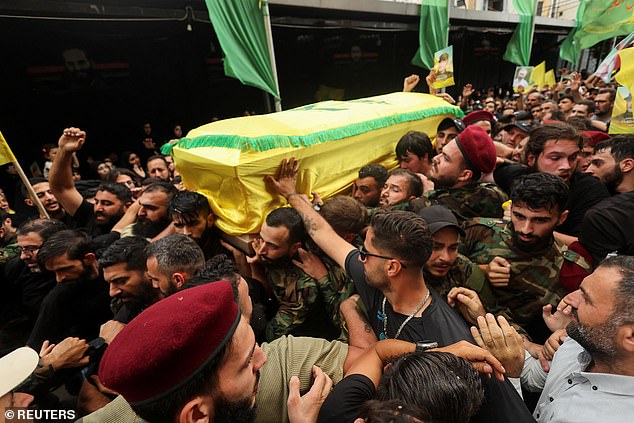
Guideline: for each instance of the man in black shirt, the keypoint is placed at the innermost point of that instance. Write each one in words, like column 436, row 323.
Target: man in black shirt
column 79, row 303
column 387, row 272
column 553, row 149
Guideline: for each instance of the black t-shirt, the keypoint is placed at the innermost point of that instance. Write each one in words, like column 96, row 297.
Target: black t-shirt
column 585, row 192
column 84, row 218
column 609, row 227
column 345, row 400
column 438, row 323
column 72, row 310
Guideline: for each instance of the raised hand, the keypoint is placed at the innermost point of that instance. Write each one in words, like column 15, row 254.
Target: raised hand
column 311, row 264
column 467, row 302
column 467, row 90
column 410, row 82
column 286, row 181
column 72, row 140
column 502, row 341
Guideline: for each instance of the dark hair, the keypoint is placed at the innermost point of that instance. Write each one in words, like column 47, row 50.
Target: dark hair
column 176, row 253
column 43, row 227
column 444, row 386
column 376, row 171
column 539, row 136
column 74, row 243
column 610, row 91
column 557, row 115
column 203, row 383
column 580, row 123
column 414, row 142
column 621, row 147
column 4, row 215
column 566, row 96
column 189, row 204
column 129, row 250
column 291, row 220
column 33, row 181
column 345, row 214
column 536, row 105
column 156, row 157
column 414, row 184
column 589, row 104
column 402, row 234
column 540, row 190
column 217, row 268
column 120, row 191
column 115, row 173
column 624, row 293
column 391, row 411
column 167, row 188
column 124, row 162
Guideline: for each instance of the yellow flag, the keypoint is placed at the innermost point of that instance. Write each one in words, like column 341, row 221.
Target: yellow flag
column 549, row 79
column 539, row 74
column 625, row 76
column 6, row 155
column 622, row 119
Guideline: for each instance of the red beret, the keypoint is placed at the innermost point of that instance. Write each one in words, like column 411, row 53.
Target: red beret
column 170, row 342
column 477, row 148
column 594, row 137
column 477, row 116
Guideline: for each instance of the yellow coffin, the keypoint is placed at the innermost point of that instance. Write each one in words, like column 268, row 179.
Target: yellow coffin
column 227, row 160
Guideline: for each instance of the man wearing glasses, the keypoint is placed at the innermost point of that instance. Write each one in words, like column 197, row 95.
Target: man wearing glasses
column 387, row 273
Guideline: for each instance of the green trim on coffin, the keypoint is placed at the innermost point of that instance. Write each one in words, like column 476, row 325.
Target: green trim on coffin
column 269, row 142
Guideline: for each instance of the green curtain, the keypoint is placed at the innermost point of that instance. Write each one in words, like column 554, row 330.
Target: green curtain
column 239, row 26
column 518, row 50
column 434, row 28
column 597, row 20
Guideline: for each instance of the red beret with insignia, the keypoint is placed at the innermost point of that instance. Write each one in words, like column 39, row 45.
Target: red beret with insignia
column 166, row 345
column 477, row 149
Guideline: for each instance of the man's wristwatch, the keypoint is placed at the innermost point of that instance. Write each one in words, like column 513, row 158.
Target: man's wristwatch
column 422, row 346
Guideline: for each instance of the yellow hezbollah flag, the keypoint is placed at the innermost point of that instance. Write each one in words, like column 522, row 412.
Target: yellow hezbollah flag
column 539, row 74
column 227, row 160
column 6, row 155
column 549, row 79
column 622, row 120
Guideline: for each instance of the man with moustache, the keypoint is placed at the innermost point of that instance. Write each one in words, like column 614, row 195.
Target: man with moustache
column 79, row 304
column 456, row 173
column 367, row 187
column 607, row 227
column 47, row 198
column 400, row 188
column 553, row 149
column 151, row 217
column 527, row 267
column 111, row 200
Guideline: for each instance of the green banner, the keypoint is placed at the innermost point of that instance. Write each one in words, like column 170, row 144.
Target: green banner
column 518, row 50
column 597, row 20
column 434, row 29
column 239, row 25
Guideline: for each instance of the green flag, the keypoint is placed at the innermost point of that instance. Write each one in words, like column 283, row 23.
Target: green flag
column 597, row 20
column 518, row 50
column 239, row 25
column 434, row 28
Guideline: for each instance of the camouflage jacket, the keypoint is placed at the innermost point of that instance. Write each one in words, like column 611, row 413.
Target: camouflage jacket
column 7, row 252
column 465, row 273
column 296, row 292
column 474, row 200
column 534, row 280
column 334, row 289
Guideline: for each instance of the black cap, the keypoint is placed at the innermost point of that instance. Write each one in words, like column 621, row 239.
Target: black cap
column 447, row 122
column 522, row 126
column 439, row 217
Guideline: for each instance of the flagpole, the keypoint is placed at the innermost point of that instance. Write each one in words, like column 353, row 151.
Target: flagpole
column 532, row 31
column 443, row 89
column 269, row 40
column 29, row 188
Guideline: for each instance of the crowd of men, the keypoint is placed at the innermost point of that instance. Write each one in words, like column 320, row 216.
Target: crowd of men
column 491, row 271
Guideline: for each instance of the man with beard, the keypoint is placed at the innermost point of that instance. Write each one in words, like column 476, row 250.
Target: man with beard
column 607, row 227
column 172, row 261
column 191, row 215
column 400, row 188
column 151, row 216
column 194, row 378
column 123, row 266
column 593, row 371
column 456, row 173
column 367, row 187
column 524, row 263
column 79, row 303
column 282, row 237
column 47, row 198
column 553, row 149
column 158, row 168
column 111, row 200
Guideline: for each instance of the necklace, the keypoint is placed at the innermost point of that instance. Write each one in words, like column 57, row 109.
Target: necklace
column 383, row 335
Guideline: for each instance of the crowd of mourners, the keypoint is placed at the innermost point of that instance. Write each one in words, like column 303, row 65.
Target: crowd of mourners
column 489, row 278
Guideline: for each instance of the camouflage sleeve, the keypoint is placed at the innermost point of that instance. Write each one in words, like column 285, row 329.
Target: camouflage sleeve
column 474, row 234
column 294, row 307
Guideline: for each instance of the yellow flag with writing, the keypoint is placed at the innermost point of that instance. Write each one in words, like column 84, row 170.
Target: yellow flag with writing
column 6, row 155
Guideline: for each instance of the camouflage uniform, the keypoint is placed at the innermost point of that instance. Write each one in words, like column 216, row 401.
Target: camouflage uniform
column 335, row 288
column 474, row 200
column 297, row 294
column 7, row 252
column 465, row 273
column 534, row 280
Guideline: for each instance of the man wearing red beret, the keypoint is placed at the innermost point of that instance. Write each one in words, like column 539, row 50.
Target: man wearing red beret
column 481, row 118
column 590, row 140
column 456, row 173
